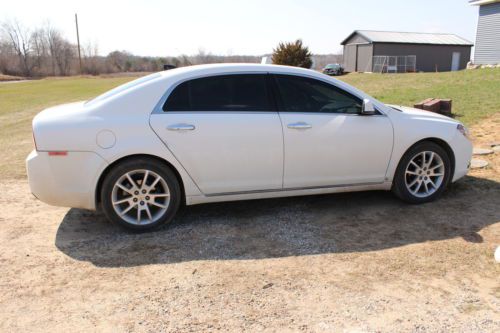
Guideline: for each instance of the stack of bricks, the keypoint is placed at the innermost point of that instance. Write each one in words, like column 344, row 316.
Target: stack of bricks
column 442, row 106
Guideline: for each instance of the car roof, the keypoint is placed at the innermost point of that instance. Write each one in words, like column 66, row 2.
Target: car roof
column 198, row 70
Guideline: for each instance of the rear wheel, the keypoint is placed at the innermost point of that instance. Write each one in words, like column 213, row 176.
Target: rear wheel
column 140, row 194
column 423, row 173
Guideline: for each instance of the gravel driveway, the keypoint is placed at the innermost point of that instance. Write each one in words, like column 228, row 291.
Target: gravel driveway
column 346, row 262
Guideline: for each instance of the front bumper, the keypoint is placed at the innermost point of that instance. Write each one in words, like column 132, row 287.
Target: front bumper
column 462, row 149
column 65, row 180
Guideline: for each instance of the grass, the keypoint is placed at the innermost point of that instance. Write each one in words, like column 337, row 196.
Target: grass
column 4, row 77
column 475, row 95
column 21, row 101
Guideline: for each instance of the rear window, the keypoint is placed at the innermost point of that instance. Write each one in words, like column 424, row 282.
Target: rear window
column 239, row 92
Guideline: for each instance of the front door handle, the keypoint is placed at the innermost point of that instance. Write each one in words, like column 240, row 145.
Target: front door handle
column 181, row 127
column 299, row 125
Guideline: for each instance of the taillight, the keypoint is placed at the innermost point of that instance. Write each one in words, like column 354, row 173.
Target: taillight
column 58, row 153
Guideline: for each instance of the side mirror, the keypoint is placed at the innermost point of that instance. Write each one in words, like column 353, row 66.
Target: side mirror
column 368, row 108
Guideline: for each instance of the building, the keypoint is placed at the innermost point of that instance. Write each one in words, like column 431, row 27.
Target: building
column 397, row 52
column 487, row 50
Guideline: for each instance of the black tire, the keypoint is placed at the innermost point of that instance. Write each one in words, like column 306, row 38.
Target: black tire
column 141, row 164
column 399, row 186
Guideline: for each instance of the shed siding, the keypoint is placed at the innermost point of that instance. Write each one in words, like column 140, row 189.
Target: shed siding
column 429, row 57
column 487, row 49
column 350, row 55
column 364, row 62
column 357, row 39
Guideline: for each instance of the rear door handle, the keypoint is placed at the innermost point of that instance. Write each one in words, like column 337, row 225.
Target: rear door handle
column 299, row 125
column 181, row 127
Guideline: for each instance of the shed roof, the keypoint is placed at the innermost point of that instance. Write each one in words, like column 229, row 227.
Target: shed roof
column 409, row 37
column 482, row 2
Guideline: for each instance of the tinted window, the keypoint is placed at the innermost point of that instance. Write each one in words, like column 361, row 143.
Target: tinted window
column 221, row 93
column 300, row 94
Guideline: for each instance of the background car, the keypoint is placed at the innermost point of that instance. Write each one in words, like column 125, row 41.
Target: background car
column 232, row 132
column 333, row 69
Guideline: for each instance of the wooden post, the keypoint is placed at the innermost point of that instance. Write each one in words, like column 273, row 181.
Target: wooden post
column 78, row 41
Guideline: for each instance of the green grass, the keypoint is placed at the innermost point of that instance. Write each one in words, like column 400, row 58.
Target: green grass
column 21, row 101
column 475, row 94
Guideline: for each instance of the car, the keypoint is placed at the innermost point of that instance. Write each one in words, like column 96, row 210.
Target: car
column 226, row 132
column 333, row 69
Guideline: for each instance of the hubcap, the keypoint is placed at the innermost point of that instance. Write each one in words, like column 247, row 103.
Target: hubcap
column 424, row 174
column 140, row 197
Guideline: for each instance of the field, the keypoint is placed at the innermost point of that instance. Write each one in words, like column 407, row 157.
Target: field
column 362, row 262
column 474, row 93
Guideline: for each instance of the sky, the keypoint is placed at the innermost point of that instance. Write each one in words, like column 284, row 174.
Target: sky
column 224, row 27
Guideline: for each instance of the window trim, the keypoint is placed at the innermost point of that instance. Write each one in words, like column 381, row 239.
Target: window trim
column 270, row 94
column 158, row 109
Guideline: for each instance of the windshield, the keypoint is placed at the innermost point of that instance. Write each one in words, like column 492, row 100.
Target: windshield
column 332, row 66
column 123, row 87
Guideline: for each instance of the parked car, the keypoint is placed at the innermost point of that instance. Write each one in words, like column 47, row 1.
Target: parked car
column 333, row 69
column 227, row 132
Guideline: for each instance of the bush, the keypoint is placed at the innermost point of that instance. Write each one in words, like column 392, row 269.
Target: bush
column 292, row 54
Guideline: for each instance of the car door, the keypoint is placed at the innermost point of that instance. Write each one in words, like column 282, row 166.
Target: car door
column 327, row 141
column 225, row 131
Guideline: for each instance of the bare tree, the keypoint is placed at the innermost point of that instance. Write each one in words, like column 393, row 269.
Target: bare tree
column 118, row 61
column 91, row 64
column 20, row 40
column 6, row 55
column 40, row 50
column 61, row 51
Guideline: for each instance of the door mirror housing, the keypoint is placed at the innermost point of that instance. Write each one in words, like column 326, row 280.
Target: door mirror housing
column 368, row 108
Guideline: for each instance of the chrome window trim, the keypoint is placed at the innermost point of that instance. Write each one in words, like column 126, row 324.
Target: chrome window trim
column 158, row 109
column 159, row 106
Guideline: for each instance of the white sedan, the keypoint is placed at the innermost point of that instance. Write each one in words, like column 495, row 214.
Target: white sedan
column 233, row 132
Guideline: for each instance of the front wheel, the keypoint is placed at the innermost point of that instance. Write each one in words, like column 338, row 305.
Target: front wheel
column 140, row 194
column 423, row 173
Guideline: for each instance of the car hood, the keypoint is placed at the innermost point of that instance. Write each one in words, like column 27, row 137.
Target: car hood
column 421, row 114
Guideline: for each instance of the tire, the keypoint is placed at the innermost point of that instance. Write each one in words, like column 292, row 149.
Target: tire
column 147, row 205
column 412, row 168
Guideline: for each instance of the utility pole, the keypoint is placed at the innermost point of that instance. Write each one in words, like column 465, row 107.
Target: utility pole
column 78, row 41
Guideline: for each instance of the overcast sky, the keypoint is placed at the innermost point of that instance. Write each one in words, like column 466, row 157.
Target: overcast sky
column 253, row 27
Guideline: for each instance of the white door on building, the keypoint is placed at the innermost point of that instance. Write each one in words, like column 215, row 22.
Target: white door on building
column 455, row 61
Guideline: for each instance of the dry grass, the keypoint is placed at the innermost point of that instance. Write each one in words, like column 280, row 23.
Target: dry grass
column 6, row 78
column 350, row 262
column 474, row 93
column 20, row 102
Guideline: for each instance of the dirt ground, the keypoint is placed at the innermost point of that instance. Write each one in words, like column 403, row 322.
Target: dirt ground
column 349, row 262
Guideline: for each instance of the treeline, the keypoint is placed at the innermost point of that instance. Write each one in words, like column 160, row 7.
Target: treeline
column 44, row 51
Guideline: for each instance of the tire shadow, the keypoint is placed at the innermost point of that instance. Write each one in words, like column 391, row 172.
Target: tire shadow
column 297, row 226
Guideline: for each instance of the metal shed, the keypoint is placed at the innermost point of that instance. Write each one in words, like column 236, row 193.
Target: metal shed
column 391, row 51
column 487, row 50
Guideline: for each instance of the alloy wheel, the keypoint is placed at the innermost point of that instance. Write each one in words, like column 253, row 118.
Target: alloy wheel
column 424, row 174
column 140, row 197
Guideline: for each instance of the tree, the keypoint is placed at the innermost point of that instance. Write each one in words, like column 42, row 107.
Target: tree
column 292, row 54
column 20, row 40
column 61, row 51
column 118, row 61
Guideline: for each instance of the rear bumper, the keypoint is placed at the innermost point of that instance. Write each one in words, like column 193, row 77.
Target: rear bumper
column 69, row 180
